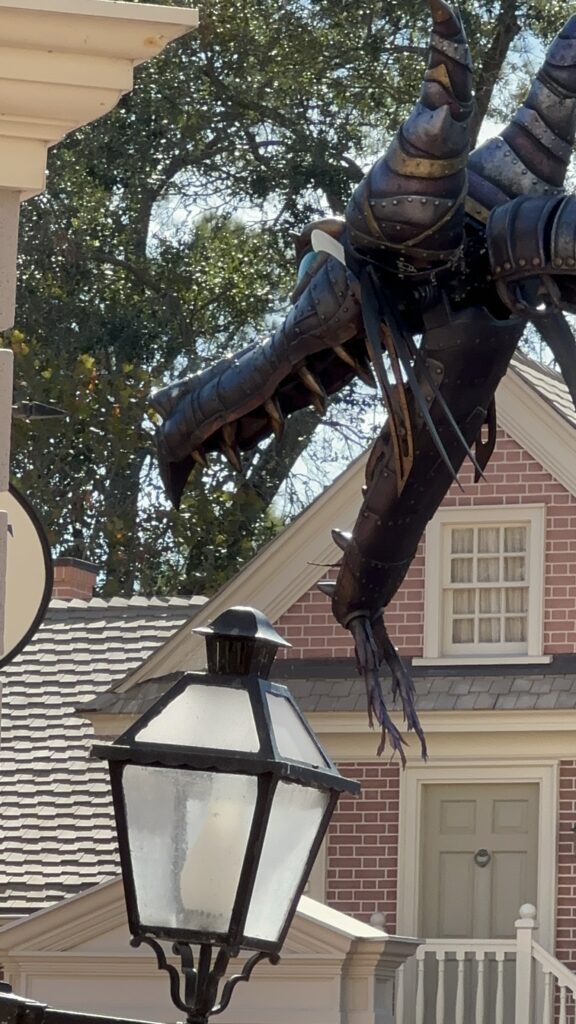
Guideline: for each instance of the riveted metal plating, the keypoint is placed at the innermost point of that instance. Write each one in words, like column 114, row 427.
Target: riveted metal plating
column 457, row 51
column 531, row 121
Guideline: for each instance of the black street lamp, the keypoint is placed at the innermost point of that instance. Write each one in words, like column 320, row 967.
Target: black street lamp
column 222, row 796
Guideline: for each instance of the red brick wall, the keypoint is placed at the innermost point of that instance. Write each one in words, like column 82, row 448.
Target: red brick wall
column 362, row 859
column 513, row 477
column 566, row 912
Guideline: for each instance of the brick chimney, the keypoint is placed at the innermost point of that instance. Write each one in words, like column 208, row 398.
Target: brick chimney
column 73, row 577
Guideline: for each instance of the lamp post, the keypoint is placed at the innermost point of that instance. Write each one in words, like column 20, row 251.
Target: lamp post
column 222, row 796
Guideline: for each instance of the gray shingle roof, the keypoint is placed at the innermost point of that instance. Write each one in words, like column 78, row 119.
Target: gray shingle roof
column 334, row 685
column 446, row 693
column 549, row 385
column 57, row 833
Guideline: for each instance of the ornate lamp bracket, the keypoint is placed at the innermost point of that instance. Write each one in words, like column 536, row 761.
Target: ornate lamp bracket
column 199, row 1000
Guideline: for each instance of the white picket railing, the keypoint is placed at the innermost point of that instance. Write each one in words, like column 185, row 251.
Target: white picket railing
column 467, row 981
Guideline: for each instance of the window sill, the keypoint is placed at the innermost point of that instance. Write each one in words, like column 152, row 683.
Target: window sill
column 494, row 659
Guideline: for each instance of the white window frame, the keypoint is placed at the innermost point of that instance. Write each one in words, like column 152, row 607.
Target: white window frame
column 534, row 516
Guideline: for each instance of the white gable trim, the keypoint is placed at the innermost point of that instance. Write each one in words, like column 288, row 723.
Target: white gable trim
column 287, row 567
column 317, row 930
column 538, row 428
column 275, row 578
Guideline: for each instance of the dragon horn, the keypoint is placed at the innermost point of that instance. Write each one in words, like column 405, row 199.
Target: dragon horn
column 411, row 203
column 530, row 156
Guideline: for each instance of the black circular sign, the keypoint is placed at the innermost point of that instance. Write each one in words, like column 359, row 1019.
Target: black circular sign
column 29, row 574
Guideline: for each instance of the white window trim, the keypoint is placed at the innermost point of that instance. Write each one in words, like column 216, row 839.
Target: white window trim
column 480, row 515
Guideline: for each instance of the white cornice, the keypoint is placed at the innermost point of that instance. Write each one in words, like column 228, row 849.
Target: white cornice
column 525, row 721
column 54, row 935
column 64, row 63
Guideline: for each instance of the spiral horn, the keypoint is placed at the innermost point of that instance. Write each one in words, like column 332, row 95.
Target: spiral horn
column 411, row 203
column 531, row 155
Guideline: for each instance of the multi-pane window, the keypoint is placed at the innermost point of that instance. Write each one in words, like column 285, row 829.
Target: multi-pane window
column 486, row 592
column 484, row 583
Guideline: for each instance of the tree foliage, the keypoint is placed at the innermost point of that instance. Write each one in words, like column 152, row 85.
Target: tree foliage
column 163, row 241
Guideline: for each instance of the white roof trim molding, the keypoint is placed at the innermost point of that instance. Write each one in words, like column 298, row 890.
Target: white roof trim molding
column 538, row 428
column 288, row 566
column 316, row 929
column 274, row 579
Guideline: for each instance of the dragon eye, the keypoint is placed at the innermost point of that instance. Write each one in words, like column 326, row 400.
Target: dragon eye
column 306, row 263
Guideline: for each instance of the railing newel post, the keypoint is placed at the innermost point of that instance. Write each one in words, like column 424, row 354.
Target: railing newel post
column 525, row 926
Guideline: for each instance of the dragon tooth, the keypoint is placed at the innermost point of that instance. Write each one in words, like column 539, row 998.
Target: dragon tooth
column 272, row 409
column 359, row 364
column 315, row 388
column 233, row 456
column 200, row 458
column 345, row 356
column 229, row 447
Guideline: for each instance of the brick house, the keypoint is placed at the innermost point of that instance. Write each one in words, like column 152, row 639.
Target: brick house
column 451, row 849
column 487, row 616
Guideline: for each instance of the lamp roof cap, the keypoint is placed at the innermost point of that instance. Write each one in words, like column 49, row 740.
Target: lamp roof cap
column 241, row 623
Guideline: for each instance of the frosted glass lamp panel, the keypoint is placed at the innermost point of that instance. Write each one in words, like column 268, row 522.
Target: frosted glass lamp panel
column 292, row 828
column 293, row 740
column 216, row 839
column 151, row 804
column 218, row 717
column 199, row 847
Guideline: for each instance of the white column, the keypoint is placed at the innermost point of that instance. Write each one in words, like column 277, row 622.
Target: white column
column 9, row 216
column 6, row 364
column 524, row 928
column 369, row 975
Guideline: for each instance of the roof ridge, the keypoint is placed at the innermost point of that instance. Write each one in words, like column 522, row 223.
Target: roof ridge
column 124, row 607
column 122, row 603
column 521, row 357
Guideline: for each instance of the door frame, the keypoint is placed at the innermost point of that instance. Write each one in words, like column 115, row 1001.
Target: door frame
column 542, row 772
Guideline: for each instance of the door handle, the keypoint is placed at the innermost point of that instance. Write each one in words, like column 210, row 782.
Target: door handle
column 482, row 858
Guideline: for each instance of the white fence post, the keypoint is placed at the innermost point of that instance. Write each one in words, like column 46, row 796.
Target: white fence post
column 524, row 928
